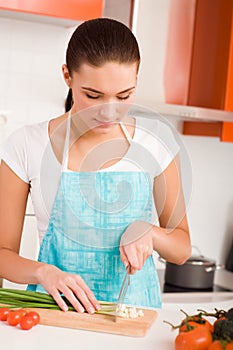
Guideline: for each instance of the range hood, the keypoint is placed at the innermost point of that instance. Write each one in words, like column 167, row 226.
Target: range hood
column 192, row 113
column 198, row 67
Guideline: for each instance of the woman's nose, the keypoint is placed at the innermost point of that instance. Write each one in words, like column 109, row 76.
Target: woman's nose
column 107, row 111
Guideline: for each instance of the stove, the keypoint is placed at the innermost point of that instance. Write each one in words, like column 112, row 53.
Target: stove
column 221, row 284
column 168, row 288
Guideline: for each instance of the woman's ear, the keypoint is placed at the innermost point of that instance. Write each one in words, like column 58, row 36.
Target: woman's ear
column 66, row 75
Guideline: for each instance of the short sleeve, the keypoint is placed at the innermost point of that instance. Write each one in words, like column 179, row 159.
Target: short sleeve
column 159, row 143
column 13, row 152
column 168, row 145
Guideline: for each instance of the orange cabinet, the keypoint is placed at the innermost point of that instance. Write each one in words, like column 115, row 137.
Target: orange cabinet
column 68, row 9
column 199, row 60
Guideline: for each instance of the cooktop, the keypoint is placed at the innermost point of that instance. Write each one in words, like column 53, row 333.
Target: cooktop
column 168, row 288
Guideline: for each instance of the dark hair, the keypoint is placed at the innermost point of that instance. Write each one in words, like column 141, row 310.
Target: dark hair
column 99, row 41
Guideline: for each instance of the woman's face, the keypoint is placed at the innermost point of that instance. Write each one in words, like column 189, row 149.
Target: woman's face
column 102, row 95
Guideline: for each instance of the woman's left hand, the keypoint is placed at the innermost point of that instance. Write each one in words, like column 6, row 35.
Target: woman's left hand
column 136, row 245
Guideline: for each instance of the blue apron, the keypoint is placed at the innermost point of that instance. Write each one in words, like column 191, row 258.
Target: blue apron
column 91, row 211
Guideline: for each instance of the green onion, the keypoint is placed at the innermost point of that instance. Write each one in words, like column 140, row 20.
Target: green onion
column 15, row 298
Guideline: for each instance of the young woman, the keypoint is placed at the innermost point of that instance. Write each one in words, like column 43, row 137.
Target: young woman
column 94, row 175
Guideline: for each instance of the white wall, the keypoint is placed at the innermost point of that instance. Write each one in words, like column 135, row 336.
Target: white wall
column 31, row 85
column 210, row 210
column 32, row 89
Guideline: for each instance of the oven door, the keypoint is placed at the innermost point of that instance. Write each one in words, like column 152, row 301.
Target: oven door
column 229, row 262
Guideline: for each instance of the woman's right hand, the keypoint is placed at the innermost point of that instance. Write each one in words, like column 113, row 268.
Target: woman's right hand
column 57, row 282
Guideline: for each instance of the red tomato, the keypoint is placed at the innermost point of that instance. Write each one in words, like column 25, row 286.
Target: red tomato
column 13, row 318
column 35, row 316
column 195, row 324
column 4, row 312
column 197, row 339
column 208, row 325
column 216, row 345
column 21, row 312
column 26, row 322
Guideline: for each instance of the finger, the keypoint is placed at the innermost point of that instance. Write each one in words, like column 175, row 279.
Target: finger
column 140, row 256
column 69, row 294
column 133, row 271
column 60, row 302
column 133, row 258
column 145, row 252
column 124, row 257
column 81, row 295
column 89, row 294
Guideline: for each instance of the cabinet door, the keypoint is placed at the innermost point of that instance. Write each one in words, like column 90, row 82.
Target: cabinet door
column 198, row 48
column 70, row 9
column 29, row 247
column 181, row 25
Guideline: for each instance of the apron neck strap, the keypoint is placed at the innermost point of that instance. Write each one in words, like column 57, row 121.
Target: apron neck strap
column 65, row 157
column 125, row 131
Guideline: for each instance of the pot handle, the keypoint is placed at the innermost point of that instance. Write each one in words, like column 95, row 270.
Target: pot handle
column 162, row 260
column 214, row 268
column 198, row 250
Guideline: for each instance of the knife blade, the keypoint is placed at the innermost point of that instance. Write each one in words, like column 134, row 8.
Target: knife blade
column 124, row 288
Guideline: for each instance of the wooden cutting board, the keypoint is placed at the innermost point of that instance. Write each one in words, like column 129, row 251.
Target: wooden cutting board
column 134, row 327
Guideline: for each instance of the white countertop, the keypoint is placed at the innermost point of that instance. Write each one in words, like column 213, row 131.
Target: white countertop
column 158, row 337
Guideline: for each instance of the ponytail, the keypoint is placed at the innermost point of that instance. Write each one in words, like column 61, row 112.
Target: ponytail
column 69, row 101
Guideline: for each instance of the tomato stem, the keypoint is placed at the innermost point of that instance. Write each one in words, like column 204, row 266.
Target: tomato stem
column 218, row 313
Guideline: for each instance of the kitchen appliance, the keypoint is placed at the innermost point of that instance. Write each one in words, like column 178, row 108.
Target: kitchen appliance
column 197, row 273
column 229, row 261
column 168, row 288
column 223, row 283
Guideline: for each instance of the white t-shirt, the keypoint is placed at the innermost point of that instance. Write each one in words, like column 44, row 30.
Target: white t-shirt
column 28, row 152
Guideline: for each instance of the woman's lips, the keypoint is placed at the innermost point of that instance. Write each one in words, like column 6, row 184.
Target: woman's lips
column 104, row 124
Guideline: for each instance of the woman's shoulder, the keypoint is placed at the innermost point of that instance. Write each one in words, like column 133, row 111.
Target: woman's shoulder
column 36, row 129
column 154, row 126
column 35, row 132
column 157, row 133
column 57, row 123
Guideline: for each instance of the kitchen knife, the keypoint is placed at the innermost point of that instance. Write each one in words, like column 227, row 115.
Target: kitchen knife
column 124, row 288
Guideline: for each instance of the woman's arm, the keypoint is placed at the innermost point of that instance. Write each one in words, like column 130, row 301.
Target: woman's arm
column 13, row 200
column 171, row 239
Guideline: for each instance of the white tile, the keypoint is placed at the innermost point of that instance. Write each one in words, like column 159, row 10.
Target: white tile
column 19, row 109
column 3, row 83
column 20, row 61
column 40, row 88
column 32, row 85
column 19, row 85
column 45, row 64
column 4, row 59
column 5, row 33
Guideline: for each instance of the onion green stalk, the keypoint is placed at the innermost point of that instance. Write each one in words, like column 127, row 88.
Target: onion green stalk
column 15, row 298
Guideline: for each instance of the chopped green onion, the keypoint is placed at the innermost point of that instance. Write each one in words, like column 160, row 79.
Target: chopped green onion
column 16, row 298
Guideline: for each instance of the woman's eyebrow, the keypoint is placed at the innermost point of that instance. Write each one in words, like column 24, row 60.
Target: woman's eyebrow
column 93, row 90
column 99, row 92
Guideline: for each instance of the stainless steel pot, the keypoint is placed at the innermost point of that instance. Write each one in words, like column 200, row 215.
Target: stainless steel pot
column 196, row 273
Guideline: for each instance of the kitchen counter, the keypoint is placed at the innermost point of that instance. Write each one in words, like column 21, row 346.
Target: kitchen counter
column 159, row 336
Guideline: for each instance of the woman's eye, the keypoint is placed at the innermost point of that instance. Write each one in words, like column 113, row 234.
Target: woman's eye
column 91, row 96
column 123, row 98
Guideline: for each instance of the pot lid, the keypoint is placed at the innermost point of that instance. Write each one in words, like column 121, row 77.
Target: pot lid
column 200, row 260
